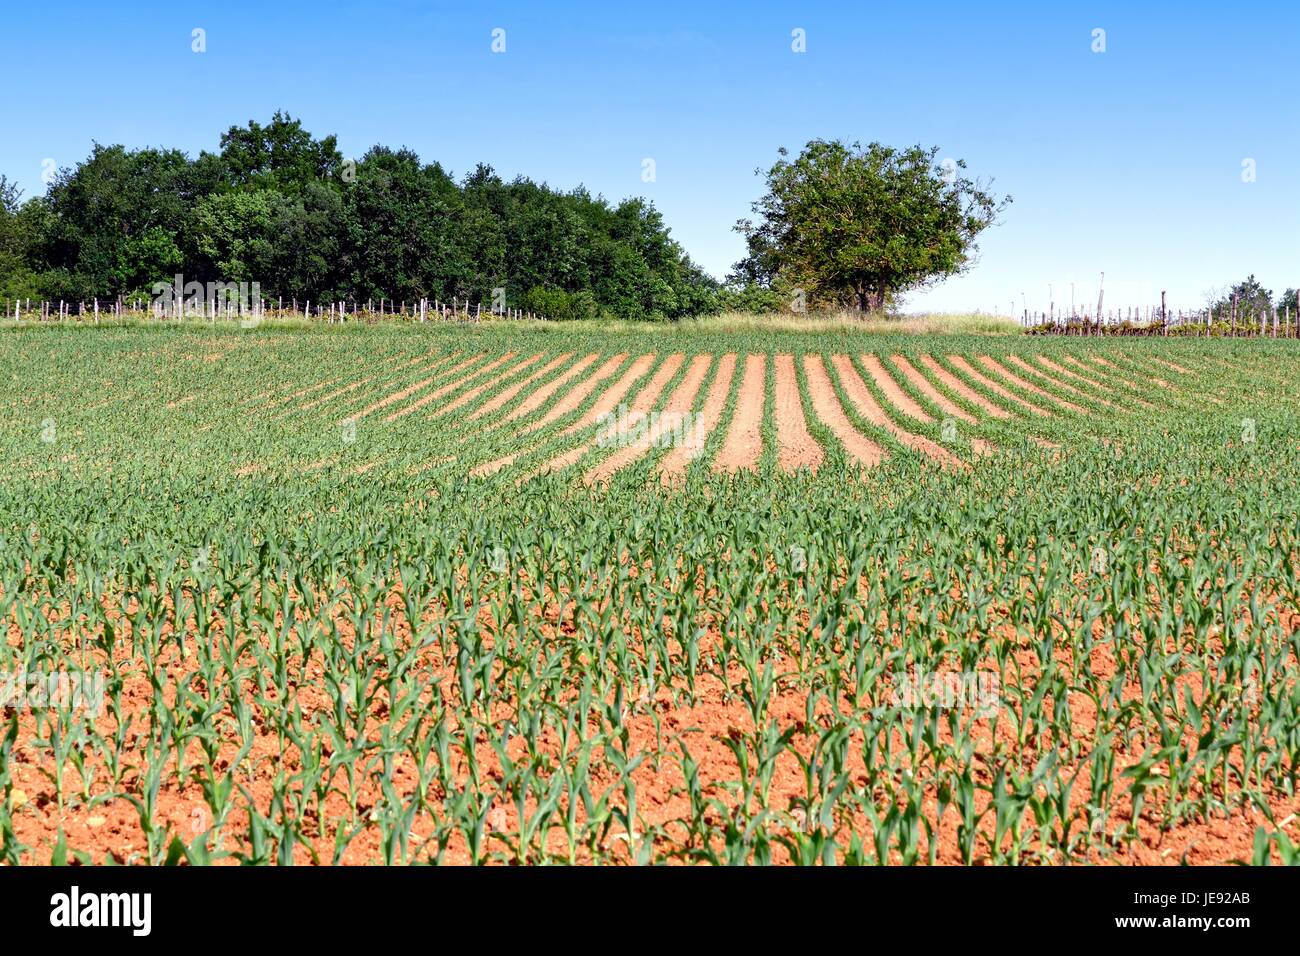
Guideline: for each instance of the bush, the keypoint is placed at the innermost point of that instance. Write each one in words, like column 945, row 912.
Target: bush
column 751, row 297
column 557, row 304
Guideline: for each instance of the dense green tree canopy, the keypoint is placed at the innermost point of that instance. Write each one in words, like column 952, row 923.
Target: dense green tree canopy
column 17, row 227
column 1249, row 298
column 277, row 206
column 854, row 227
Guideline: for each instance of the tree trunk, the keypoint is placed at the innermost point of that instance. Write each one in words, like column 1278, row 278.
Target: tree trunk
column 869, row 300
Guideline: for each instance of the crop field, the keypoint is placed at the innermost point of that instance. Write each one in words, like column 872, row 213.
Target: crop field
column 508, row 594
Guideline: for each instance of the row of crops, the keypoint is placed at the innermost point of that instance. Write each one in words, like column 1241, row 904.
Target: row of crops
column 336, row 600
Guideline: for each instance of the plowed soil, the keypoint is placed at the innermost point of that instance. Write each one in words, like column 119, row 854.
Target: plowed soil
column 506, row 394
column 678, row 459
column 870, row 409
column 679, row 404
column 449, row 387
column 827, row 406
column 797, row 447
column 893, row 391
column 744, row 444
column 537, row 398
column 961, row 388
column 923, row 385
column 994, row 387
column 996, row 367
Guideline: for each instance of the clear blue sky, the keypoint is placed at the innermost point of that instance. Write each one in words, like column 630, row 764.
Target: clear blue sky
column 1127, row 161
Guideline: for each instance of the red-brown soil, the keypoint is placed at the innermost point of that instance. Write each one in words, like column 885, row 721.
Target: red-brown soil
column 744, row 442
column 870, row 409
column 572, row 399
column 609, row 399
column 467, row 396
column 679, row 403
column 407, row 392
column 708, row 721
column 796, row 446
column 677, row 460
column 1066, row 379
column 330, row 396
column 893, row 391
column 1094, row 364
column 980, row 446
column 570, row 403
column 506, row 394
column 998, row 368
column 826, row 404
column 437, row 393
column 610, row 404
column 540, row 396
column 961, row 388
column 993, row 386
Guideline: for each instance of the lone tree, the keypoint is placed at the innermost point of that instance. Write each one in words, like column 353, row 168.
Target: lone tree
column 1248, row 298
column 858, row 226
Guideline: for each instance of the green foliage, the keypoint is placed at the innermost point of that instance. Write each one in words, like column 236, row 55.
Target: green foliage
column 21, row 228
column 114, row 223
column 16, row 279
column 558, row 304
column 279, row 207
column 305, row 260
column 233, row 233
column 1249, row 296
column 854, row 227
column 281, row 156
column 1252, row 301
column 743, row 294
column 9, row 196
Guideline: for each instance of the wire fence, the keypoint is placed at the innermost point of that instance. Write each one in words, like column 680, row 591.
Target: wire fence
column 1142, row 321
column 1209, row 322
column 251, row 311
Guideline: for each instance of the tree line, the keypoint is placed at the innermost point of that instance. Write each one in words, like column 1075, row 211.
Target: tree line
column 278, row 206
column 839, row 226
